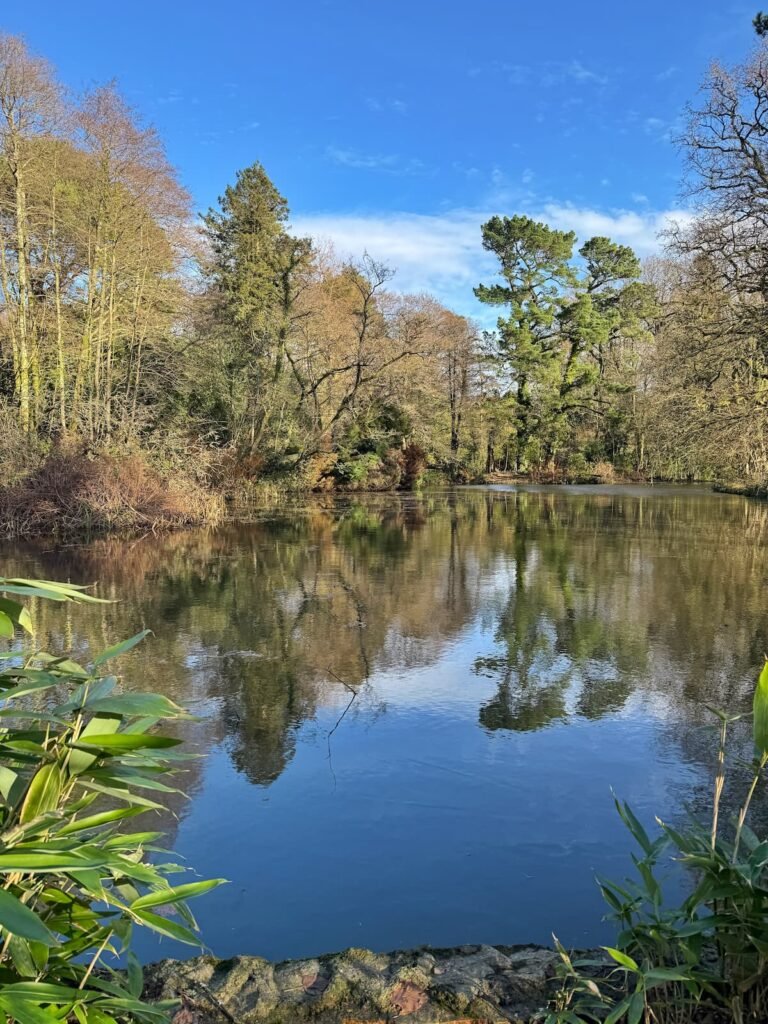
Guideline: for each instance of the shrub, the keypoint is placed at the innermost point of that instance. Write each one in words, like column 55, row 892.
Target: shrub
column 604, row 472
column 414, row 466
column 73, row 492
column 356, row 471
column 706, row 959
column 77, row 760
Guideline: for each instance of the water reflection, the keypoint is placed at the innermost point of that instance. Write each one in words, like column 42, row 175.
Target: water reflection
column 495, row 638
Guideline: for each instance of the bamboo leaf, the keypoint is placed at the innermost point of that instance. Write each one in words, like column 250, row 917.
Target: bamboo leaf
column 47, row 862
column 97, row 820
column 135, row 975
column 621, row 958
column 80, row 760
column 164, row 926
column 24, row 1011
column 760, row 712
column 43, row 793
column 617, row 1012
column 636, row 1008
column 18, row 919
column 11, row 786
column 17, row 613
column 117, row 649
column 152, row 705
column 177, row 893
column 116, row 742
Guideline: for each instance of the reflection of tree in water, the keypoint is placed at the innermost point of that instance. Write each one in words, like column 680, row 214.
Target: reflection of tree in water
column 556, row 648
column 611, row 594
column 588, row 598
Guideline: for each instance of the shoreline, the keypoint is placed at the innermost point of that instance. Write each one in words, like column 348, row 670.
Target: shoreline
column 214, row 507
column 477, row 983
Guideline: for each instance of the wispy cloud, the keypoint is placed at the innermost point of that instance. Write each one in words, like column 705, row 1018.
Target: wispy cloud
column 442, row 253
column 392, row 163
column 353, row 158
column 667, row 73
column 546, row 75
column 661, row 129
column 580, row 73
column 388, row 105
column 174, row 96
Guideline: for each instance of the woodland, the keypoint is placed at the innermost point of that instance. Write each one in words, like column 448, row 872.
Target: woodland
column 160, row 365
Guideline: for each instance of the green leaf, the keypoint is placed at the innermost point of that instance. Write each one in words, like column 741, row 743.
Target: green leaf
column 48, row 589
column 121, row 648
column 80, row 760
column 45, row 992
column 22, row 958
column 618, row 1011
column 18, row 919
column 6, row 626
column 621, row 958
column 35, row 680
column 97, row 820
column 25, row 1012
column 152, row 705
column 177, row 893
column 17, row 613
column 43, row 793
column 11, row 786
column 135, row 975
column 628, row 817
column 123, row 794
column 164, row 926
column 32, row 863
column 125, row 741
column 760, row 712
column 661, row 975
column 636, row 1008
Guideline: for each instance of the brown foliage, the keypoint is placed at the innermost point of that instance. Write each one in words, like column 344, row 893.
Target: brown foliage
column 75, row 493
column 414, row 465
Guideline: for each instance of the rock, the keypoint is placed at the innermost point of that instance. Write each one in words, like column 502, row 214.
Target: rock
column 423, row 986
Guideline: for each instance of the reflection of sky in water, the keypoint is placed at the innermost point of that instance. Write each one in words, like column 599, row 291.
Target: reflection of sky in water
column 515, row 656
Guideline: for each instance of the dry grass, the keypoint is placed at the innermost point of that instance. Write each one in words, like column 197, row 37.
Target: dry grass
column 76, row 493
column 604, row 473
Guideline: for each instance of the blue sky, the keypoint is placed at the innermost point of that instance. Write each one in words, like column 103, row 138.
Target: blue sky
column 399, row 126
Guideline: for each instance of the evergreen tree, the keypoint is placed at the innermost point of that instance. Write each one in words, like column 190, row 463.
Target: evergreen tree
column 535, row 266
column 254, row 271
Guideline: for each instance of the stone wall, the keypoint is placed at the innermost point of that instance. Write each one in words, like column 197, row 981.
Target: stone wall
column 423, row 986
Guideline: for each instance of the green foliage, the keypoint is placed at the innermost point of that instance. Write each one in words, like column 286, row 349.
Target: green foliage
column 357, row 468
column 565, row 322
column 709, row 955
column 254, row 270
column 79, row 759
column 760, row 23
column 252, row 250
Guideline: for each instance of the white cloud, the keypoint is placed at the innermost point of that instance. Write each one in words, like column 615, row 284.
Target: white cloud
column 442, row 253
column 352, row 158
column 387, row 105
column 580, row 73
column 389, row 162
column 660, row 129
column 546, row 74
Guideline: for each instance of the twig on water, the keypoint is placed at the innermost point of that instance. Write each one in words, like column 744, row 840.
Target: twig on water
column 341, row 717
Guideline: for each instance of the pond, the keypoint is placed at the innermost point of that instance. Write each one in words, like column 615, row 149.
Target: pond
column 413, row 709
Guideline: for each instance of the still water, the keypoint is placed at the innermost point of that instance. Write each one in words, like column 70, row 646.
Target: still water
column 413, row 708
